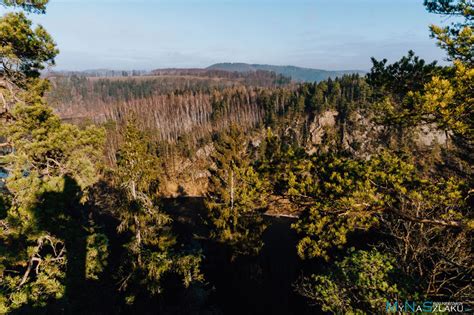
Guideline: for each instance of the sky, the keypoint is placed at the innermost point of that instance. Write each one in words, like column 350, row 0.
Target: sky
column 150, row 34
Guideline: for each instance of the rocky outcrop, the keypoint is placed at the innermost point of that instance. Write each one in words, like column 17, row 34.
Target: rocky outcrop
column 320, row 125
column 428, row 135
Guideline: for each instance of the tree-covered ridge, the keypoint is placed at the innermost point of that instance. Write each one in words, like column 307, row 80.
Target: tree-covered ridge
column 89, row 88
column 297, row 74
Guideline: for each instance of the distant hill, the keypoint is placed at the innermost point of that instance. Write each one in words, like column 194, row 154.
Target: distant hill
column 296, row 73
column 225, row 70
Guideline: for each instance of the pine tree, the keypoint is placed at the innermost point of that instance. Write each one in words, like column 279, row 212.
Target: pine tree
column 386, row 195
column 458, row 37
column 358, row 284
column 152, row 248
column 50, row 165
column 237, row 196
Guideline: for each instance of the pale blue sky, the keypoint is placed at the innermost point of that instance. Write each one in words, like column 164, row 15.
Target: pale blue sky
column 325, row 34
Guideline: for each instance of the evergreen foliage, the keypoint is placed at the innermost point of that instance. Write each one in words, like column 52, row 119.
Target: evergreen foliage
column 150, row 250
column 359, row 283
column 236, row 195
column 50, row 166
column 457, row 38
column 36, row 6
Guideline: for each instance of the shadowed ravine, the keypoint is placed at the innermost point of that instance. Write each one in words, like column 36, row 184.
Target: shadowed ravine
column 246, row 285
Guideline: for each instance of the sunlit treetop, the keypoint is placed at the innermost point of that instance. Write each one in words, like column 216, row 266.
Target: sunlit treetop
column 450, row 7
column 35, row 6
column 27, row 50
column 458, row 37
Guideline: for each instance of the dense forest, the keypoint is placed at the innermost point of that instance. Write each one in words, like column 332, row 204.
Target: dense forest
column 215, row 192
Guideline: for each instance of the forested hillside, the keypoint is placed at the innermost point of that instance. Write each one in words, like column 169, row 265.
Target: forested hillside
column 220, row 192
column 298, row 74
